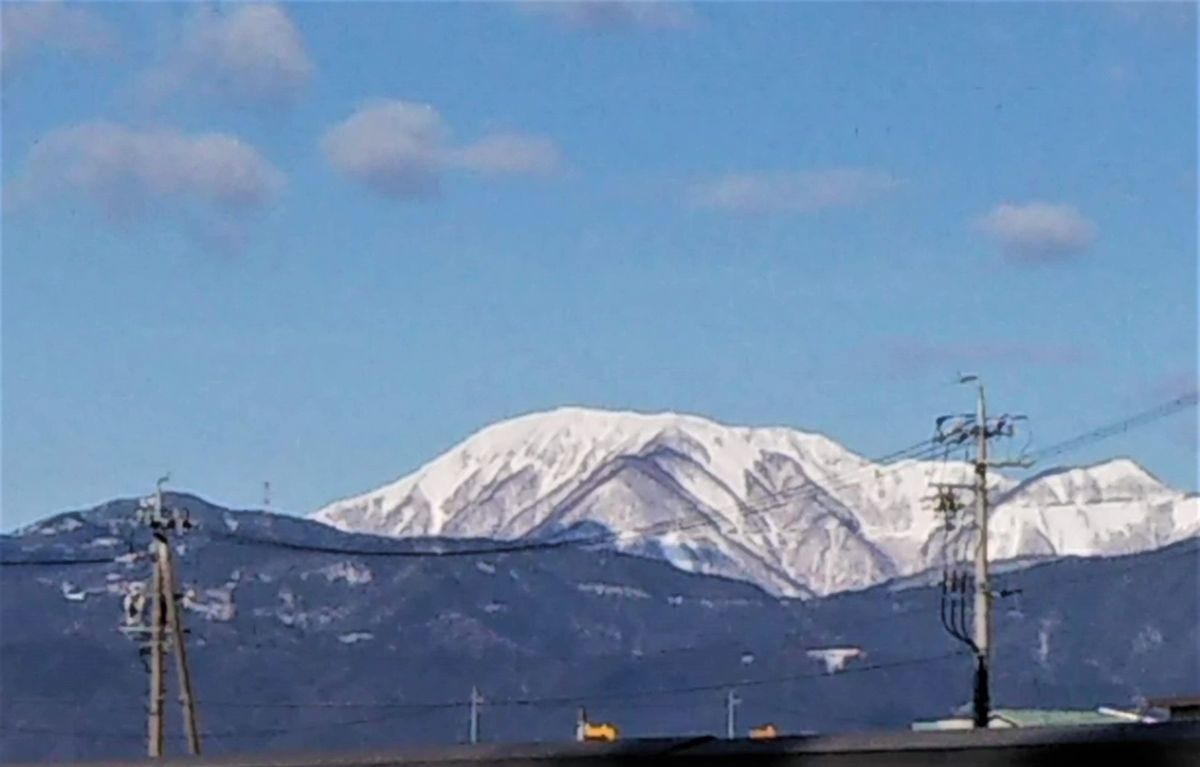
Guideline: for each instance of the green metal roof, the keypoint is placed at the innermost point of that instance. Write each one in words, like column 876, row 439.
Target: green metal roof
column 1038, row 717
column 1026, row 717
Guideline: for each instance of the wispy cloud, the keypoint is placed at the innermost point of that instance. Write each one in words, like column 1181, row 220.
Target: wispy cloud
column 28, row 27
column 212, row 180
column 402, row 149
column 797, row 192
column 1038, row 232
column 251, row 54
column 507, row 153
column 615, row 15
column 916, row 356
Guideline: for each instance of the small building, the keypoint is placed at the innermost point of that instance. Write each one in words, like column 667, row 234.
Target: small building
column 1003, row 718
column 1183, row 708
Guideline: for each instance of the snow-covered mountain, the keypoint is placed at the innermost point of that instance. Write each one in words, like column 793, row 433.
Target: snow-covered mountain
column 792, row 511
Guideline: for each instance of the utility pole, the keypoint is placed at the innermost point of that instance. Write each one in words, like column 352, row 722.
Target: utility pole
column 732, row 701
column 174, row 620
column 166, row 615
column 983, row 594
column 154, row 734
column 474, row 728
column 981, row 429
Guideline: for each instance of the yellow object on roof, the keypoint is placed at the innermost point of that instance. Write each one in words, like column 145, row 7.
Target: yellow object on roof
column 600, row 731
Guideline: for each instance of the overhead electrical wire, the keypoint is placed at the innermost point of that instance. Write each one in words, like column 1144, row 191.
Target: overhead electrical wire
column 917, row 451
column 1144, row 418
column 924, row 449
column 548, row 701
column 780, row 499
column 404, row 708
column 1140, row 563
column 57, row 562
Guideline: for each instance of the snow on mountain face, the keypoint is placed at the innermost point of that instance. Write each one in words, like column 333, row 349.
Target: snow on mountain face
column 1110, row 508
column 794, row 512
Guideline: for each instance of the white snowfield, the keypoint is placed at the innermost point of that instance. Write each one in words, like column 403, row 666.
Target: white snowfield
column 792, row 511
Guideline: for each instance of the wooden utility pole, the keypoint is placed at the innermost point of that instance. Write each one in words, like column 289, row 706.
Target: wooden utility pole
column 154, row 734
column 175, row 621
column 165, row 614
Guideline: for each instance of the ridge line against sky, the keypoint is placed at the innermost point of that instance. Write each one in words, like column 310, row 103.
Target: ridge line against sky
column 316, row 245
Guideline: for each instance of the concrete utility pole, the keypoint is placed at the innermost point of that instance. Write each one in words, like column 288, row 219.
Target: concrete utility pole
column 981, row 429
column 983, row 594
column 732, row 701
column 474, row 728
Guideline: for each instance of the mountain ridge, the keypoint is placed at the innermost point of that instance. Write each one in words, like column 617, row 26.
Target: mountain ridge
column 405, row 639
column 772, row 505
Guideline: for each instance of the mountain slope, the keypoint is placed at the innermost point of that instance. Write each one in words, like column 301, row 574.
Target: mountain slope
column 296, row 649
column 792, row 511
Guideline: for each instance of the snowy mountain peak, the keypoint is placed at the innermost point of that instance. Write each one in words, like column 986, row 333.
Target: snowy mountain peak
column 1125, row 474
column 568, row 442
column 793, row 511
column 1120, row 479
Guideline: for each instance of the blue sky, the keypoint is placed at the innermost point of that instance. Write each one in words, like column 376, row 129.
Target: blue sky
column 319, row 244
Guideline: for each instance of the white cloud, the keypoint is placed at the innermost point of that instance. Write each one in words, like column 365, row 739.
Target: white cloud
column 253, row 54
column 800, row 192
column 393, row 147
column 402, row 149
column 213, row 178
column 1038, row 231
column 509, row 153
column 26, row 27
column 616, row 14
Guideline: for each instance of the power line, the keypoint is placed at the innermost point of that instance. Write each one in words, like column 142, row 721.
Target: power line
column 925, row 449
column 1144, row 418
column 1143, row 560
column 214, row 734
column 1137, row 563
column 780, row 499
column 725, row 684
column 920, row 450
column 523, row 702
column 64, row 562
